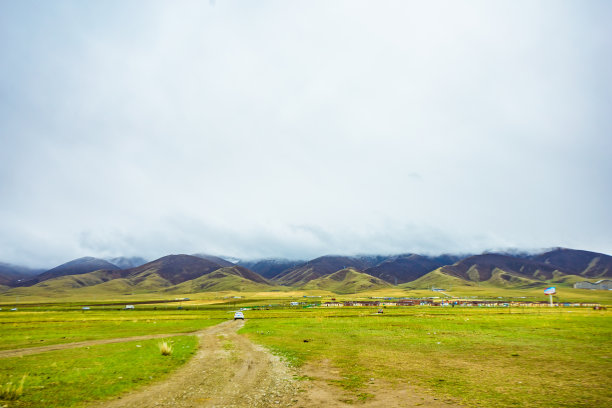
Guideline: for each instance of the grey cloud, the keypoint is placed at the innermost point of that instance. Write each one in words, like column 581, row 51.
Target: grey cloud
column 298, row 129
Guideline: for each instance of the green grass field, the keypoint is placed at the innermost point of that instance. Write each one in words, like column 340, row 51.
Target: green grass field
column 36, row 328
column 479, row 357
column 68, row 378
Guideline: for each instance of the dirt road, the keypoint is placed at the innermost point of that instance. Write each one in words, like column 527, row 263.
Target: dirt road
column 230, row 371
column 226, row 371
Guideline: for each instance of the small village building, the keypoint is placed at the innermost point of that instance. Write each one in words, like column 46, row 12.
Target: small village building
column 451, row 303
column 332, row 304
column 409, row 302
column 362, row 303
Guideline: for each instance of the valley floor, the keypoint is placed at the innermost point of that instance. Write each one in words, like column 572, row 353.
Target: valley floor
column 228, row 370
column 333, row 357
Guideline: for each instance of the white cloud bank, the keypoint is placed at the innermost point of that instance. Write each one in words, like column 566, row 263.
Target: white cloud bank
column 302, row 128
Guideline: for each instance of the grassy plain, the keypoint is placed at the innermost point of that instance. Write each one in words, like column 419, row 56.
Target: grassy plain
column 28, row 328
column 67, row 378
column 72, row 377
column 479, row 357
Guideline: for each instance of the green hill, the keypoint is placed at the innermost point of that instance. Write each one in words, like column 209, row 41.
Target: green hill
column 437, row 279
column 503, row 279
column 79, row 281
column 346, row 281
column 235, row 278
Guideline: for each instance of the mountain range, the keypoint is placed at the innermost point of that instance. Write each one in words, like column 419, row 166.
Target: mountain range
column 11, row 275
column 340, row 274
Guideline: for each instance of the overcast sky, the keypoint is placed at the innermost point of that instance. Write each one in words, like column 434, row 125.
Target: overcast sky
column 303, row 128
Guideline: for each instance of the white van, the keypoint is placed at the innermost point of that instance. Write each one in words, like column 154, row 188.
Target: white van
column 238, row 315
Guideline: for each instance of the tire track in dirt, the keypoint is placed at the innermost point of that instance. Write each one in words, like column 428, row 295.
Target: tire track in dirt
column 226, row 371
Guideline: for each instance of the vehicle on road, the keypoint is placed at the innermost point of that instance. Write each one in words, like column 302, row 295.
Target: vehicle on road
column 238, row 315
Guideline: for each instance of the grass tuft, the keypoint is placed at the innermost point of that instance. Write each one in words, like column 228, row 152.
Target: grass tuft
column 165, row 348
column 12, row 392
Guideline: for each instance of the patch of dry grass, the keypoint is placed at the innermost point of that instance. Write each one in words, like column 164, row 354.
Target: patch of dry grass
column 165, row 348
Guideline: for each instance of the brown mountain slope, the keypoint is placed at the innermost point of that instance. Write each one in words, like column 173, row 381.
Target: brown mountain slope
column 269, row 268
column 174, row 269
column 480, row 268
column 317, row 268
column 577, row 262
column 74, row 267
column 406, row 268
